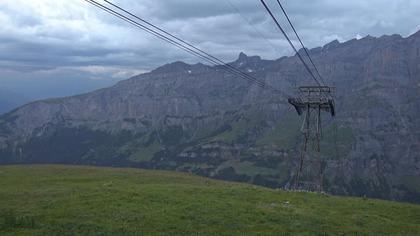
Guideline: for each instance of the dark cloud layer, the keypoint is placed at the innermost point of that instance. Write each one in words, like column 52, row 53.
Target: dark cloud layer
column 59, row 38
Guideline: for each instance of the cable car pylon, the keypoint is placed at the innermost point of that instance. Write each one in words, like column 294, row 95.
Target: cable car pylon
column 311, row 102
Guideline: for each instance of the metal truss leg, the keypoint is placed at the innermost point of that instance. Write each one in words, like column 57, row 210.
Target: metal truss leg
column 306, row 135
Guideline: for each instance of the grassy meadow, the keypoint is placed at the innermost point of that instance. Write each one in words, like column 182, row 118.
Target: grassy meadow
column 79, row 200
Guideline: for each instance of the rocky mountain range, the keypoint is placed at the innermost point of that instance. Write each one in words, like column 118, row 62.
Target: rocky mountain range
column 201, row 119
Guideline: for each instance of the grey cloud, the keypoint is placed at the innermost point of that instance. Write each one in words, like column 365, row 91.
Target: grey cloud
column 85, row 36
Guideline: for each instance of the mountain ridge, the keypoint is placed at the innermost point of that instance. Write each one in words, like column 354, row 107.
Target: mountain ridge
column 200, row 119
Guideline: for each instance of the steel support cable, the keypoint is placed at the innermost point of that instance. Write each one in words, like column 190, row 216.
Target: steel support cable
column 301, row 42
column 220, row 62
column 250, row 79
column 187, row 46
column 232, row 5
column 140, row 26
column 290, row 42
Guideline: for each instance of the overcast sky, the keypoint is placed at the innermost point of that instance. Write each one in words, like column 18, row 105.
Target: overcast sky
column 69, row 39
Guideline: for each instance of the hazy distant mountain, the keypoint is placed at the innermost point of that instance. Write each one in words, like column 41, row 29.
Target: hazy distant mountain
column 18, row 91
column 201, row 119
column 10, row 100
column 49, row 87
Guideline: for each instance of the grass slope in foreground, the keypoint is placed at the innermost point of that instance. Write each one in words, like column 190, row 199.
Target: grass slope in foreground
column 66, row 200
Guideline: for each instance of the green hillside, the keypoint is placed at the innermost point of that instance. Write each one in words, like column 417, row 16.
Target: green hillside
column 68, row 200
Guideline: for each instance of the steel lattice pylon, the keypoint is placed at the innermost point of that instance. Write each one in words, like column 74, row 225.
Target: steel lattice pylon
column 311, row 102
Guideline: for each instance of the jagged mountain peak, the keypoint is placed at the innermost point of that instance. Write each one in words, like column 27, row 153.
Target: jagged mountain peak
column 391, row 37
column 368, row 37
column 245, row 61
column 242, row 56
column 180, row 67
column 415, row 35
column 185, row 121
column 332, row 44
column 245, row 58
column 174, row 66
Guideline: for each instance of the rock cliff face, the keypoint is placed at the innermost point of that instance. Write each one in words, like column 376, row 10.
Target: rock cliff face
column 203, row 120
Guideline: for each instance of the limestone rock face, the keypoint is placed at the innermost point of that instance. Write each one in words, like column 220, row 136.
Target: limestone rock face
column 204, row 120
